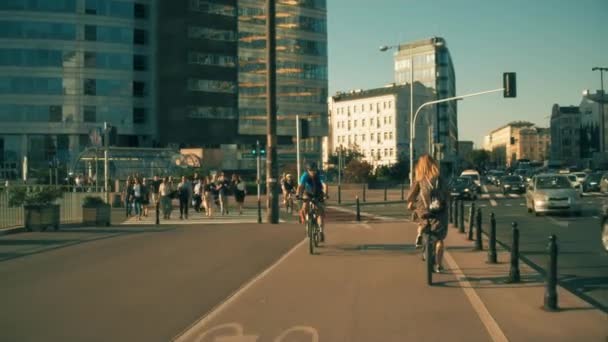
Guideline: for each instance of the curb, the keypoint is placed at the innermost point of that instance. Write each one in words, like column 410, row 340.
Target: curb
column 14, row 230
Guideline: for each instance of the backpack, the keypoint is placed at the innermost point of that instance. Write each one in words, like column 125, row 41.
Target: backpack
column 436, row 205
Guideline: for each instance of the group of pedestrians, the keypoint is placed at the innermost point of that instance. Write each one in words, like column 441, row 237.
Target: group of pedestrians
column 208, row 193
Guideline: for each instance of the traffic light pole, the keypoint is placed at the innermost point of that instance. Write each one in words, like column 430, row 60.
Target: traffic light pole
column 272, row 169
column 299, row 167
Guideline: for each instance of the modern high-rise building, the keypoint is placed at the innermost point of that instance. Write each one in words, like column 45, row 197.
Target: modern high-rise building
column 67, row 66
column 432, row 66
column 566, row 134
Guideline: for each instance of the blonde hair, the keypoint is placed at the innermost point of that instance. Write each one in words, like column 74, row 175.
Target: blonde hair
column 426, row 168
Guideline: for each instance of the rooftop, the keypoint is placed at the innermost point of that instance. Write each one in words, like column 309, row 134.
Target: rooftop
column 423, row 42
column 362, row 94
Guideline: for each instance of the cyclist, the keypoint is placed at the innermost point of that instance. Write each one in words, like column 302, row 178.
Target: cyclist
column 312, row 185
column 288, row 187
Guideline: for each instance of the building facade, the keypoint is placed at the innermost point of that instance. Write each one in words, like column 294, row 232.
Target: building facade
column 68, row 66
column 591, row 134
column 566, row 134
column 376, row 123
column 518, row 140
column 433, row 68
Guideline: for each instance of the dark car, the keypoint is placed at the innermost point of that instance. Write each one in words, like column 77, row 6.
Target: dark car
column 592, row 182
column 463, row 187
column 515, row 184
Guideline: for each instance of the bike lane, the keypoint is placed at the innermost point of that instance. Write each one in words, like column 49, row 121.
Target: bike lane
column 366, row 284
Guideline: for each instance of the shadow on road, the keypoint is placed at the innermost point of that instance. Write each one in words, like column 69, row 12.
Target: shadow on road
column 494, row 282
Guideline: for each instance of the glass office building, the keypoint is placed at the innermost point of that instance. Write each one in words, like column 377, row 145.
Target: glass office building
column 67, row 66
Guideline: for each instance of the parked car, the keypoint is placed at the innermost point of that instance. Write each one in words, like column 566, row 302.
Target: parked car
column 463, row 187
column 574, row 182
column 592, row 182
column 494, row 176
column 552, row 194
column 510, row 184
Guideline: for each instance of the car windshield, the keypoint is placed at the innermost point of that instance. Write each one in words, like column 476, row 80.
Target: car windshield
column 512, row 179
column 580, row 175
column 553, row 182
column 572, row 178
column 462, row 181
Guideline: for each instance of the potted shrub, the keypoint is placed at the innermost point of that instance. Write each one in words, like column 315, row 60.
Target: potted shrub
column 95, row 211
column 39, row 207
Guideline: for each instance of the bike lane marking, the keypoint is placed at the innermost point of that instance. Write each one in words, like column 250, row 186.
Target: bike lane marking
column 480, row 308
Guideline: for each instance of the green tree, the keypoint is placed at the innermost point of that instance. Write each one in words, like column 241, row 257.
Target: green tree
column 348, row 154
column 479, row 158
column 357, row 171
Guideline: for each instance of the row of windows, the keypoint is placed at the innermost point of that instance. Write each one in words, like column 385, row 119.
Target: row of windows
column 284, row 93
column 250, row 40
column 59, row 58
column 284, row 69
column 211, row 113
column 46, row 30
column 204, row 58
column 377, row 137
column 59, row 86
column 419, row 60
column 113, row 8
column 361, row 108
column 347, row 124
column 59, row 113
column 213, row 86
column 314, row 4
column 65, row 6
column 212, row 8
column 197, row 32
column 284, row 20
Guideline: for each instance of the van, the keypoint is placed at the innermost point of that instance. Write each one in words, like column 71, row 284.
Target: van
column 474, row 175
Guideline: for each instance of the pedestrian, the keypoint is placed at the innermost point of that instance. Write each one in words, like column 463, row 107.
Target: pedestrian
column 164, row 191
column 183, row 191
column 145, row 196
column 240, row 191
column 429, row 198
column 208, row 194
column 223, row 186
column 197, row 197
column 127, row 195
column 137, row 198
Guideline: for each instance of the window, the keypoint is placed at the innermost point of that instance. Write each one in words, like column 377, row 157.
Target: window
column 211, row 59
column 212, row 8
column 140, row 11
column 139, row 89
column 196, row 32
column 371, row 121
column 140, row 62
column 55, row 113
column 215, row 86
column 371, row 107
column 89, row 114
column 90, row 60
column 391, row 152
column 36, row 30
column 362, row 137
column 212, row 113
column 384, row 105
column 386, row 152
column 90, row 87
column 139, row 115
column 390, row 135
column 362, row 122
column 140, row 37
column 372, row 136
column 390, row 119
column 355, row 123
column 385, row 120
column 90, row 32
column 356, row 138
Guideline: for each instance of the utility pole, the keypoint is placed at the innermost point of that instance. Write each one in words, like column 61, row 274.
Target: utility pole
column 601, row 103
column 106, row 164
column 299, row 167
column 272, row 169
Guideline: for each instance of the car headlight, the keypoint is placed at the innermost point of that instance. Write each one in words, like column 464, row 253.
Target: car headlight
column 507, row 186
column 466, row 190
column 593, row 183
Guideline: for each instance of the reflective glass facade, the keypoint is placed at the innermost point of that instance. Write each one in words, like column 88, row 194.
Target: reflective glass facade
column 66, row 66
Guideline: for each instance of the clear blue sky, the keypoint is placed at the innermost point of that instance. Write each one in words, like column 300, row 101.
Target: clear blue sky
column 551, row 44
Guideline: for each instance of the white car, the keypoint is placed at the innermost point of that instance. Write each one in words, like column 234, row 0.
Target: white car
column 575, row 182
column 580, row 177
column 474, row 175
column 550, row 193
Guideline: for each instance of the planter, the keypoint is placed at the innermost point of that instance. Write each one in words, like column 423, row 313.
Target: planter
column 40, row 217
column 97, row 215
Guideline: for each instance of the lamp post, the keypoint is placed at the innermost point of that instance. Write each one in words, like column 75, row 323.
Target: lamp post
column 601, row 103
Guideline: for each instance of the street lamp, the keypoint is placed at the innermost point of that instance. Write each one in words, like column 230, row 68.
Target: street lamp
column 601, row 103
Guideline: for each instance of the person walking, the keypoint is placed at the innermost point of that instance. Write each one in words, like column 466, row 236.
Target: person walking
column 137, row 198
column 208, row 190
column 428, row 198
column 165, row 191
column 127, row 195
column 183, row 192
column 197, row 197
column 223, row 187
column 240, row 191
column 145, row 196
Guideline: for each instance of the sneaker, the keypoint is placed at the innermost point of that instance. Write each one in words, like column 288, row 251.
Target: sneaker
column 438, row 269
column 418, row 241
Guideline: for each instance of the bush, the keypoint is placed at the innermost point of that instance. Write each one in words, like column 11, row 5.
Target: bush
column 92, row 201
column 19, row 196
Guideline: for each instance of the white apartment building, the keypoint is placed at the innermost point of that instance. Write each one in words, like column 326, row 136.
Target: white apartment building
column 376, row 123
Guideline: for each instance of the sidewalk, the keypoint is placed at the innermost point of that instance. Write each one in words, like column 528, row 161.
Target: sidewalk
column 368, row 284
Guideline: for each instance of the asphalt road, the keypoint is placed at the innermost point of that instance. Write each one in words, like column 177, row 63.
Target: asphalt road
column 127, row 283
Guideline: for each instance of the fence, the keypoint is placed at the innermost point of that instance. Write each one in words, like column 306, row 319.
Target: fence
column 70, row 208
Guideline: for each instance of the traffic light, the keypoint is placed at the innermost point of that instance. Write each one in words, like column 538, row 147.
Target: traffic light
column 509, row 84
column 512, row 141
column 254, row 150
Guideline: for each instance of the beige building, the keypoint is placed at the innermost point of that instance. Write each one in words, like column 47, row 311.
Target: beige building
column 518, row 140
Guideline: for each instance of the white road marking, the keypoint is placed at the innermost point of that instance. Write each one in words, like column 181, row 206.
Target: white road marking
column 351, row 211
column 514, row 195
column 589, row 202
column 563, row 224
column 493, row 202
column 522, row 204
column 509, row 205
column 485, row 196
column 484, row 315
column 483, row 205
column 191, row 332
column 364, row 225
column 499, row 196
column 596, row 217
column 484, row 189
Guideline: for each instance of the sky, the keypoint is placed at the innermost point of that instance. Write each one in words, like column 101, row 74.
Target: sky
column 551, row 45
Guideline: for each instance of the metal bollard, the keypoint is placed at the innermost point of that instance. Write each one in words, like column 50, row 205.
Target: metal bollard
column 492, row 256
column 385, row 190
column 364, row 197
column 471, row 222
column 402, row 192
column 514, row 271
column 456, row 213
column 358, row 218
column 451, row 210
column 339, row 194
column 461, row 222
column 478, row 236
column 259, row 210
column 551, row 278
column 157, row 212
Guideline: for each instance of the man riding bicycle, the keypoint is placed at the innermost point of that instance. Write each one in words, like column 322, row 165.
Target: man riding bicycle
column 288, row 187
column 312, row 186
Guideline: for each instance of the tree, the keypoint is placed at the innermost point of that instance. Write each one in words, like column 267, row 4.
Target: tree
column 479, row 158
column 357, row 171
column 348, row 154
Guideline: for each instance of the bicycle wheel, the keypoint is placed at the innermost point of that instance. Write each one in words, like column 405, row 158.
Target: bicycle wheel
column 316, row 235
column 310, row 227
column 429, row 256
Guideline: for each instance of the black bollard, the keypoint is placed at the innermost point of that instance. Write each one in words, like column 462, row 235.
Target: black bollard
column 339, row 194
column 471, row 222
column 492, row 257
column 259, row 210
column 358, row 210
column 478, row 236
column 402, row 192
column 551, row 278
column 461, row 219
column 385, row 191
column 157, row 213
column 451, row 210
column 514, row 271
column 456, row 213
column 364, row 192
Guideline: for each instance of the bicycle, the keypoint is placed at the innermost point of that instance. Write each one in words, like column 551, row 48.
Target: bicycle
column 289, row 203
column 313, row 230
column 429, row 238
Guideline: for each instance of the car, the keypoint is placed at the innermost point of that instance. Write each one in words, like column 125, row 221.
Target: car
column 511, row 184
column 552, row 193
column 604, row 183
column 604, row 227
column 463, row 187
column 592, row 182
column 494, row 176
column 474, row 175
column 580, row 176
column 574, row 181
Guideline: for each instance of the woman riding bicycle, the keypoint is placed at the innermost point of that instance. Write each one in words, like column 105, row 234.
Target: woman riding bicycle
column 430, row 194
column 313, row 186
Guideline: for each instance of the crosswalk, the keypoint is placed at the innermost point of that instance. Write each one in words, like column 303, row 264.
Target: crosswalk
column 497, row 195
